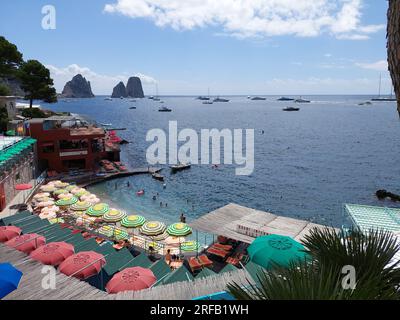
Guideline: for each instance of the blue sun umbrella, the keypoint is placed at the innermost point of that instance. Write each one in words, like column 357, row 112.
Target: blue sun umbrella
column 9, row 279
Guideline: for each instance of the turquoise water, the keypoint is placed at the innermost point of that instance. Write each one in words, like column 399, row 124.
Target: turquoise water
column 307, row 163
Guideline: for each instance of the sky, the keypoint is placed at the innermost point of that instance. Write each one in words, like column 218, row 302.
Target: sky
column 184, row 47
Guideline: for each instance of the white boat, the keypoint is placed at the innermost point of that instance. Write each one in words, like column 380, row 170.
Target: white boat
column 181, row 166
column 164, row 109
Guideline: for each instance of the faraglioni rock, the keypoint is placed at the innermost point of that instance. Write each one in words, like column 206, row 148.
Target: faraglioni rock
column 78, row 87
column 119, row 91
column 134, row 88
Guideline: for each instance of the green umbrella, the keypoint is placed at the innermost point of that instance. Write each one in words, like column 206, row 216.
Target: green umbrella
column 114, row 215
column 106, row 230
column 179, row 229
column 120, row 234
column 66, row 202
column 153, row 228
column 81, row 206
column 98, row 210
column 133, row 221
column 190, row 246
column 275, row 249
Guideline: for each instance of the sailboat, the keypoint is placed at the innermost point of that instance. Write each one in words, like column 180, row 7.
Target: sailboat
column 379, row 94
column 208, row 100
column 156, row 98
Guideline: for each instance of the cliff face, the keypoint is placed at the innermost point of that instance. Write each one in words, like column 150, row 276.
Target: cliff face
column 119, row 91
column 134, row 88
column 78, row 87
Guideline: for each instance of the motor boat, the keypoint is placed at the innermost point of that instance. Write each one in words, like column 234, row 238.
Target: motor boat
column 164, row 109
column 180, row 167
column 291, row 109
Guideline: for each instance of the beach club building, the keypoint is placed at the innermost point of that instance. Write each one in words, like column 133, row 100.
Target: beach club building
column 17, row 166
column 66, row 142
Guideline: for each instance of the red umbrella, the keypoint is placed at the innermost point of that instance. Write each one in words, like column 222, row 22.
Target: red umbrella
column 131, row 279
column 83, row 264
column 27, row 242
column 23, row 186
column 53, row 253
column 7, row 233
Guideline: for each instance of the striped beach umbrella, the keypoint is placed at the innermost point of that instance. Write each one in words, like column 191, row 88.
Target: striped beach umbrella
column 81, row 206
column 189, row 246
column 134, row 221
column 161, row 236
column 107, row 231
column 61, row 185
column 60, row 191
column 79, row 191
column 48, row 188
column 70, row 187
column 179, row 229
column 114, row 215
column 41, row 195
column 64, row 195
column 66, row 201
column 56, row 220
column 98, row 210
column 120, row 234
column 153, row 228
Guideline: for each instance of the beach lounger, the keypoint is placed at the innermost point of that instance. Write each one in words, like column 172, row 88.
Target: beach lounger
column 194, row 264
column 205, row 261
column 217, row 252
column 222, row 246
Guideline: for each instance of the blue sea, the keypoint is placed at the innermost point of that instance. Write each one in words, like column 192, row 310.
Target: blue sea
column 307, row 163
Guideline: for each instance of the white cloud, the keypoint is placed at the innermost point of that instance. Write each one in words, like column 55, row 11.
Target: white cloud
column 381, row 65
column 254, row 18
column 101, row 84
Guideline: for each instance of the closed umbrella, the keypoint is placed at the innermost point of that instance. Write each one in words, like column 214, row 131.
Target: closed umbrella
column 134, row 221
column 131, row 279
column 98, row 210
column 153, row 228
column 53, row 253
column 275, row 249
column 9, row 279
column 27, row 242
column 83, row 264
column 8, row 233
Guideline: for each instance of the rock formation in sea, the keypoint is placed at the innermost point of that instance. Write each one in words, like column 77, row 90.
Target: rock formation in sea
column 119, row 91
column 78, row 87
column 134, row 88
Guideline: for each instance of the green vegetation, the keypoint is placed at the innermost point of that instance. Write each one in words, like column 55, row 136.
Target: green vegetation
column 3, row 119
column 33, row 113
column 323, row 277
column 36, row 82
column 33, row 76
column 4, row 90
column 10, row 58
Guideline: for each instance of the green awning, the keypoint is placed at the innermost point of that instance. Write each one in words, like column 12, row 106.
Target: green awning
column 179, row 275
column 160, row 269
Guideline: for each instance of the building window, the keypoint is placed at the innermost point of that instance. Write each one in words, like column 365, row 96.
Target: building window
column 48, row 147
column 73, row 144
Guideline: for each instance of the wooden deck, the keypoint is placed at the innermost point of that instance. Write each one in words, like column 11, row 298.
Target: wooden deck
column 245, row 224
column 30, row 287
